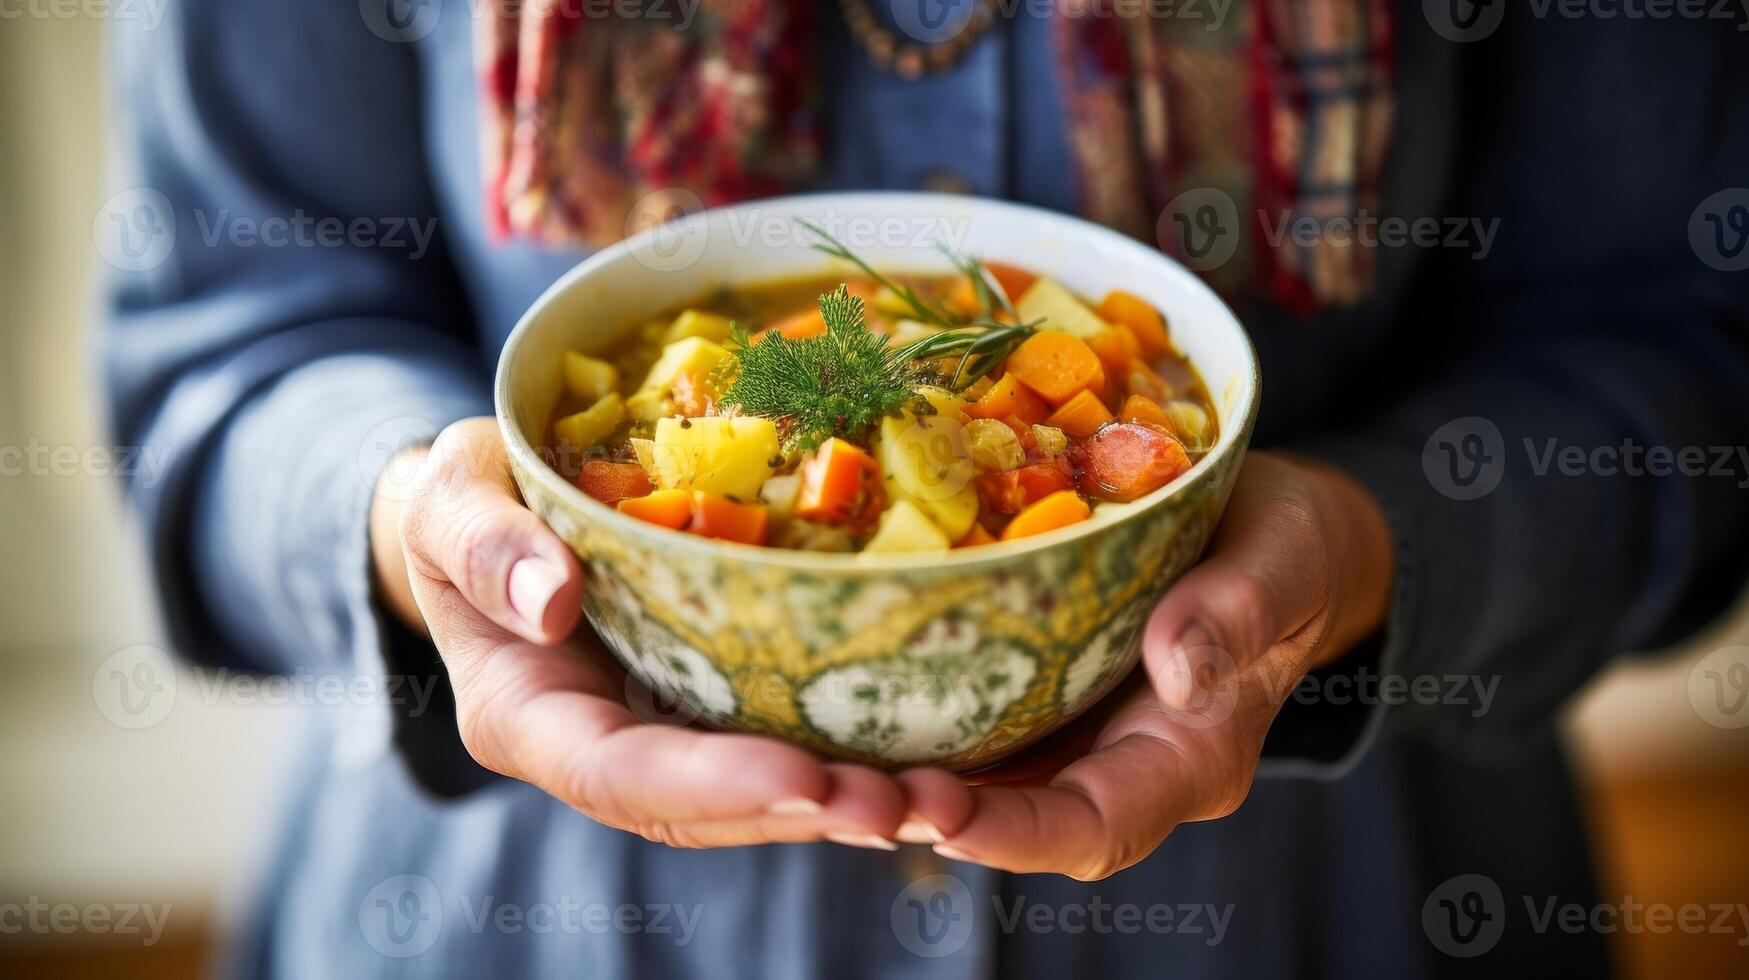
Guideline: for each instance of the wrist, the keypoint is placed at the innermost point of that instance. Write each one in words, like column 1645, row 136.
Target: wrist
column 390, row 580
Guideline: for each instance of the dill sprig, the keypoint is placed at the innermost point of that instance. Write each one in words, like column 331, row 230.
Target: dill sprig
column 838, row 383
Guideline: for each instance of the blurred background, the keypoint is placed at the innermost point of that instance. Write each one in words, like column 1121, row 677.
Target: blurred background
column 97, row 816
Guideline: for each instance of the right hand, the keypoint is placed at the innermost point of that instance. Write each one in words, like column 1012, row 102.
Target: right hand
column 541, row 701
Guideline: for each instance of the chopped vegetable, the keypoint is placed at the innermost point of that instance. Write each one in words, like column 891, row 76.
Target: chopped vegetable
column 1141, row 408
column 668, row 508
column 993, row 445
column 926, row 462
column 904, row 527
column 839, row 484
column 1010, row 491
column 1116, row 347
column 611, row 483
column 1056, row 366
column 694, row 355
column 976, row 536
column 1080, row 416
column 1014, row 280
column 693, row 323
column 1143, row 380
column 1124, row 461
column 727, row 520
column 1190, row 423
column 589, row 379
column 1009, row 397
column 1143, row 320
column 593, row 424
column 1060, row 509
column 731, row 456
column 1050, row 440
column 1047, row 300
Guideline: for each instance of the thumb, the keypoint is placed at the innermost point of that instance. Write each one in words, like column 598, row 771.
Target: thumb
column 467, row 527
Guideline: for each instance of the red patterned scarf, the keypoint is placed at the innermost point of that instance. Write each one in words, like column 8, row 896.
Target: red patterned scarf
column 1282, row 112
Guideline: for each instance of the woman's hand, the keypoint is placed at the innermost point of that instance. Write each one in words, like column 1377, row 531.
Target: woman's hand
column 1298, row 572
column 500, row 595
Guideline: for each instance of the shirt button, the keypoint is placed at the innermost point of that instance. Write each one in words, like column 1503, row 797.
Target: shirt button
column 943, row 180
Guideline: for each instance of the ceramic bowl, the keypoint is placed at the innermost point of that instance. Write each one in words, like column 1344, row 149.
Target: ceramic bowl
column 956, row 659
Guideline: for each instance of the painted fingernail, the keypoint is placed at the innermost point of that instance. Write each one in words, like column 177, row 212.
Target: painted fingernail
column 953, row 854
column 863, row 840
column 916, row 830
column 799, row 806
column 533, row 583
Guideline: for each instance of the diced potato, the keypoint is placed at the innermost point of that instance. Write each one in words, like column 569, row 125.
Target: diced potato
column 993, row 445
column 1049, row 301
column 589, row 378
column 694, row 323
column 779, row 495
column 593, row 424
column 693, row 355
column 645, row 451
column 945, row 402
column 926, row 462
column 905, row 527
column 1190, row 423
column 728, row 456
column 1050, row 440
column 649, row 404
column 910, row 331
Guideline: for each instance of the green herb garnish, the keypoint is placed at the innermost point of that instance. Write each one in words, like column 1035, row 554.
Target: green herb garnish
column 839, row 382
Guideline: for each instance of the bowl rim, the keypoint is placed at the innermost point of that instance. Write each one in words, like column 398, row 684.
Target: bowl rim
column 1234, row 438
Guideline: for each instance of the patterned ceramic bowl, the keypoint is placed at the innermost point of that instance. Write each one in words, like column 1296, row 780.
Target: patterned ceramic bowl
column 957, row 659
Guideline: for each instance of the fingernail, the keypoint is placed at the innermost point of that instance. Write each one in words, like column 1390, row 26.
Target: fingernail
column 799, row 806
column 953, row 854
column 533, row 582
column 863, row 840
column 1178, row 688
column 916, row 830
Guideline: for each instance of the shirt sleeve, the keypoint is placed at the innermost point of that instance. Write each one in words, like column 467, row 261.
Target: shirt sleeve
column 302, row 324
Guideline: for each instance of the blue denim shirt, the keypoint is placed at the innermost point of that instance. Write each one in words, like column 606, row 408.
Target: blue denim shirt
column 279, row 368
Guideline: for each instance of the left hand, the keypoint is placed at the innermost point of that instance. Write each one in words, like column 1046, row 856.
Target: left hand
column 1298, row 572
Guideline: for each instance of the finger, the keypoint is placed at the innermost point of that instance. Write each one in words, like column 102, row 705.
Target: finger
column 1263, row 581
column 467, row 527
column 937, row 804
column 1099, row 816
column 858, row 812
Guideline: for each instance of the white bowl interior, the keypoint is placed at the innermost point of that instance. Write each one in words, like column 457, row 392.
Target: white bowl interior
column 627, row 283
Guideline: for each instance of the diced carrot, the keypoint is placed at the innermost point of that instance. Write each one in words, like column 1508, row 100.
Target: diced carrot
column 1056, row 366
column 840, row 484
column 720, row 517
column 1116, row 347
column 668, row 508
column 976, row 536
column 1127, row 460
column 1060, row 509
column 1013, row 279
column 1009, row 397
column 1143, row 320
column 692, row 395
column 1010, row 491
column 1143, row 380
column 611, row 483
column 1141, row 408
column 1081, row 416
column 796, row 326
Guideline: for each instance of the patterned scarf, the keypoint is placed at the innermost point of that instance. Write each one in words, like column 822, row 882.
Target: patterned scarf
column 1178, row 126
